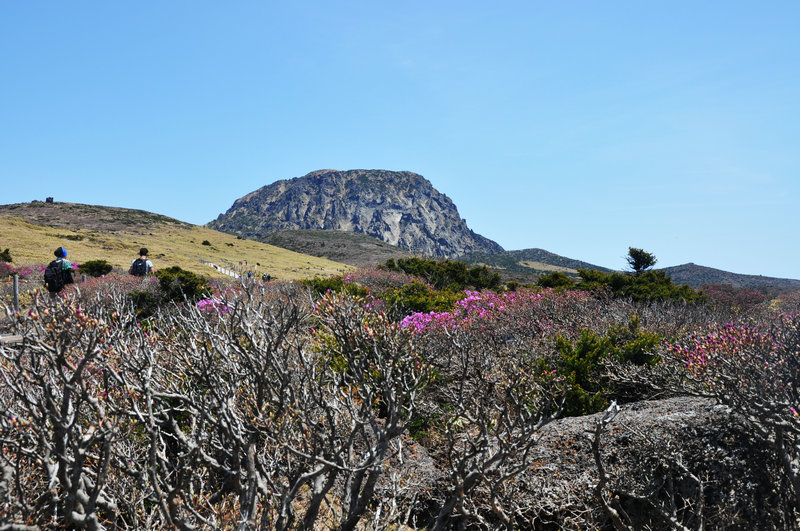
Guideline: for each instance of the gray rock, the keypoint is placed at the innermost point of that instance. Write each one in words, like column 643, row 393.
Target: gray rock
column 400, row 208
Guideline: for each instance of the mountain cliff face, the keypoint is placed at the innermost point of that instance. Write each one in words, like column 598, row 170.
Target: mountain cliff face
column 400, row 208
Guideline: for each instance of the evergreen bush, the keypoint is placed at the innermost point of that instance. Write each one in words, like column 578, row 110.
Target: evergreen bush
column 144, row 303
column 644, row 286
column 178, row 284
column 556, row 279
column 582, row 364
column 446, row 274
column 419, row 297
column 95, row 268
column 320, row 286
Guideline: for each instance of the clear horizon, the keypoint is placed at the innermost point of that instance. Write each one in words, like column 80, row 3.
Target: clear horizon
column 582, row 129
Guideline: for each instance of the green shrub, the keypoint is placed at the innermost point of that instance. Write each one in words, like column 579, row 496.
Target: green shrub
column 95, row 268
column 640, row 260
column 144, row 303
column 5, row 256
column 417, row 296
column 445, row 274
column 556, row 279
column 178, row 284
column 206, row 242
column 644, row 286
column 630, row 344
column 581, row 364
column 419, row 428
column 322, row 285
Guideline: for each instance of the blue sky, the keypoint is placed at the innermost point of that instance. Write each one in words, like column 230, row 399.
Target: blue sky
column 581, row 128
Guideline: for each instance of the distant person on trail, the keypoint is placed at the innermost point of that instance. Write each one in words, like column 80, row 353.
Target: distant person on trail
column 58, row 273
column 142, row 266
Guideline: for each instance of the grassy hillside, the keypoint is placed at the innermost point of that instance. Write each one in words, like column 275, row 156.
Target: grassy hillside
column 527, row 265
column 33, row 230
column 346, row 247
column 696, row 275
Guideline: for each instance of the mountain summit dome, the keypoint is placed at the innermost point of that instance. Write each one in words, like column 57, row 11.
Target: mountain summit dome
column 399, row 207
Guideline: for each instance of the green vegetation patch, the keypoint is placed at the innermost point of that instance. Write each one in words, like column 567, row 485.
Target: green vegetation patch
column 95, row 268
column 582, row 363
column 446, row 274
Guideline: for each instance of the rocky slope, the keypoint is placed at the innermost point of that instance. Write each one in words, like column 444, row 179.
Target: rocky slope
column 400, row 208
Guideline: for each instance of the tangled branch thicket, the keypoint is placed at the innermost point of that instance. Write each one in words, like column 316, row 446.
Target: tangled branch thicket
column 266, row 408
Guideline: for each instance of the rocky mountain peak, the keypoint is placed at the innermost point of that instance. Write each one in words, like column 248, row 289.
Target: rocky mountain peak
column 399, row 207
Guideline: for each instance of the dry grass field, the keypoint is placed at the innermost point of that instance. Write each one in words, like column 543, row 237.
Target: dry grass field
column 541, row 266
column 31, row 231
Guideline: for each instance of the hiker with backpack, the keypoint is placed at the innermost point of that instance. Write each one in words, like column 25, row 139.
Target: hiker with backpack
column 58, row 273
column 142, row 266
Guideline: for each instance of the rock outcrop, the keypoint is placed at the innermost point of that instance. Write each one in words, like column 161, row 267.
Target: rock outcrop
column 400, row 208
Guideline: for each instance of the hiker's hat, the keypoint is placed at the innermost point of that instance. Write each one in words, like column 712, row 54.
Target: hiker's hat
column 60, row 252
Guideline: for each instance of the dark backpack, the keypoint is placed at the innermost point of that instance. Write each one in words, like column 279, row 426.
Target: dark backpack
column 139, row 267
column 54, row 276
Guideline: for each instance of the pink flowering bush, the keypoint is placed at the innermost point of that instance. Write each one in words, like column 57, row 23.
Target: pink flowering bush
column 787, row 303
column 571, row 334
column 212, row 306
column 31, row 277
column 25, row 272
column 743, row 365
column 733, row 299
column 730, row 342
column 6, row 269
column 106, row 288
column 755, row 370
column 262, row 406
column 524, row 314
